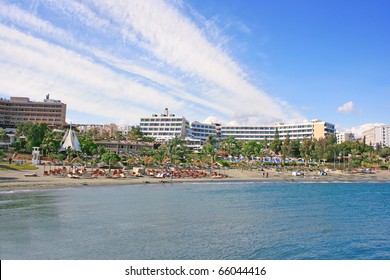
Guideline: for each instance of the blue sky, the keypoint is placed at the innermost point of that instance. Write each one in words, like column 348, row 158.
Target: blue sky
column 248, row 62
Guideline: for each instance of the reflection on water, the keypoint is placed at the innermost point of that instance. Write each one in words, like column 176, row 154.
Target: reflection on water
column 244, row 220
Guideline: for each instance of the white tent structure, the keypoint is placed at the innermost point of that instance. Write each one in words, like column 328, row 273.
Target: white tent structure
column 70, row 141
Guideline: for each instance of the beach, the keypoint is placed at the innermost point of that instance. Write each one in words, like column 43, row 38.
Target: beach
column 17, row 180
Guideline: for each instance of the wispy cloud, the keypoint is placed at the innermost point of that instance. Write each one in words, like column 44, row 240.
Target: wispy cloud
column 126, row 59
column 346, row 108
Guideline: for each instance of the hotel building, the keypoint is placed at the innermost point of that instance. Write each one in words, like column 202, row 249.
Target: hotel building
column 166, row 126
column 314, row 129
column 21, row 109
column 344, row 136
column 201, row 131
column 378, row 135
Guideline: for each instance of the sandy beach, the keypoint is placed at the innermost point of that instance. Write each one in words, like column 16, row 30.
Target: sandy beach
column 16, row 180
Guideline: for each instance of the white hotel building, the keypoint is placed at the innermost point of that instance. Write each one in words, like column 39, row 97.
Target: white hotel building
column 378, row 135
column 166, row 126
column 313, row 129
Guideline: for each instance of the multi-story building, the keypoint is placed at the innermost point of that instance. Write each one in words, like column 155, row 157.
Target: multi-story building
column 201, row 131
column 8, row 137
column 21, row 109
column 314, row 129
column 344, row 136
column 124, row 146
column 164, row 126
column 379, row 134
column 101, row 130
column 124, row 129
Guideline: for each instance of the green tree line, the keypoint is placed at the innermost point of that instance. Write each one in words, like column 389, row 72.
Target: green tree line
column 352, row 154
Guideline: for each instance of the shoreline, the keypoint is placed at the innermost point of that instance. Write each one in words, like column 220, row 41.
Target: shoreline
column 16, row 180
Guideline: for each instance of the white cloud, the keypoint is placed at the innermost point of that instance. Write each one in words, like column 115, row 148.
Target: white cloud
column 211, row 119
column 128, row 59
column 88, row 87
column 346, row 108
column 175, row 40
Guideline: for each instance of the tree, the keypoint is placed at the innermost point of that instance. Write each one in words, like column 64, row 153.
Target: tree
column 88, row 146
column 160, row 154
column 323, row 149
column 33, row 133
column 306, row 149
column 3, row 133
column 51, row 142
column 176, row 150
column 231, row 146
column 364, row 144
column 276, row 144
column 111, row 158
column 135, row 134
column 295, row 148
column 210, row 151
column 212, row 140
column 100, row 151
column 384, row 152
column 118, row 135
column 251, row 149
column 286, row 148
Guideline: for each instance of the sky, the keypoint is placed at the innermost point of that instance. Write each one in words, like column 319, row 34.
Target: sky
column 231, row 61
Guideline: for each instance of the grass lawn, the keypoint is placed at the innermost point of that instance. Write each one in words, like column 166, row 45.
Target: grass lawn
column 13, row 166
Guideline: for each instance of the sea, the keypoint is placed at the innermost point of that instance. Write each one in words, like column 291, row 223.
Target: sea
column 198, row 221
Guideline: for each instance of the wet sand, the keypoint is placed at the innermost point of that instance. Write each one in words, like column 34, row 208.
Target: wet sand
column 16, row 180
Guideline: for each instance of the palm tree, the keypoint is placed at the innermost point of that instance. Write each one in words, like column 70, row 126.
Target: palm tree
column 212, row 140
column 160, row 154
column 176, row 149
column 135, row 135
column 231, row 146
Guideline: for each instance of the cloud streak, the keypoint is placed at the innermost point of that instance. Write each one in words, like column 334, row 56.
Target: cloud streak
column 127, row 59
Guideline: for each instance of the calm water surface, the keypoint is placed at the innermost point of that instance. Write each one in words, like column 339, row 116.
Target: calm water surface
column 239, row 220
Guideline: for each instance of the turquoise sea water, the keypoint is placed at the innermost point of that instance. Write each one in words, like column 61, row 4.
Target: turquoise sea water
column 235, row 220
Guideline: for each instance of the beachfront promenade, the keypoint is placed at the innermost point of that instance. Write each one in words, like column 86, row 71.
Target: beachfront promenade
column 17, row 180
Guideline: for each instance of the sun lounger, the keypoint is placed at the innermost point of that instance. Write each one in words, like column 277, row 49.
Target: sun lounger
column 31, row 174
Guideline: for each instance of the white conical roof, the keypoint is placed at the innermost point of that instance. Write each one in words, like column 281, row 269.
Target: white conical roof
column 70, row 140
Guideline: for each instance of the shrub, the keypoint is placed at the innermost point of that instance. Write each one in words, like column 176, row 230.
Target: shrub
column 384, row 167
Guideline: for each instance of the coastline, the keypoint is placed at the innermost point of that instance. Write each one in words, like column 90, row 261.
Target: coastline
column 16, row 180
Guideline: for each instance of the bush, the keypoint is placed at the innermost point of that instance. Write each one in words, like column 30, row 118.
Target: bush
column 384, row 167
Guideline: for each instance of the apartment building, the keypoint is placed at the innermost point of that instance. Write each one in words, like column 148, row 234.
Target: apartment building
column 344, row 136
column 22, row 109
column 103, row 130
column 379, row 134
